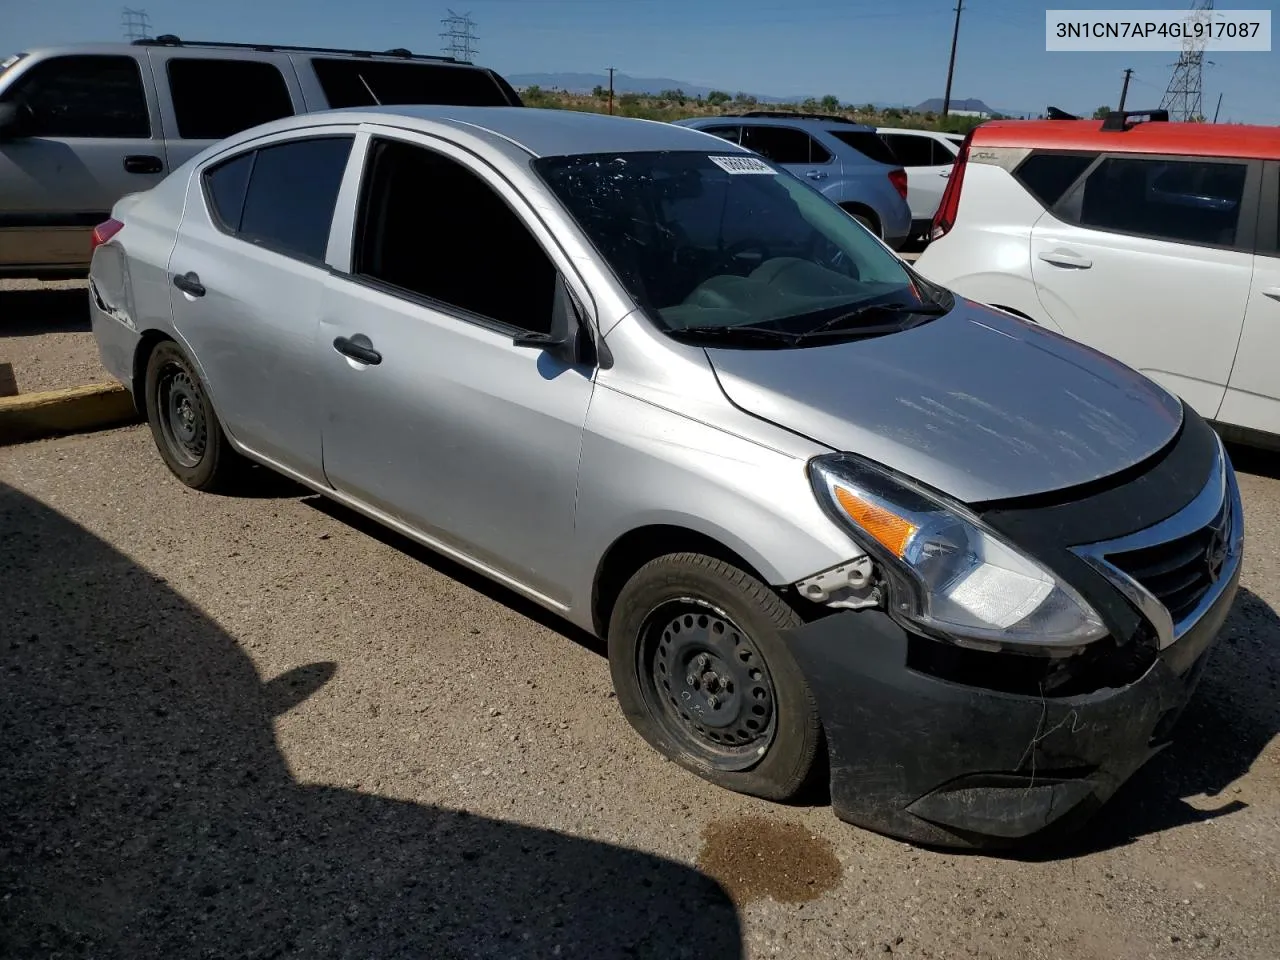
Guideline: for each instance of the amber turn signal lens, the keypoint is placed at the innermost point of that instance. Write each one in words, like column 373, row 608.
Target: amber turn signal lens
column 890, row 530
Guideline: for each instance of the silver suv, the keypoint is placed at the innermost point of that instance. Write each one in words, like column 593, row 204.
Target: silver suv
column 82, row 126
column 817, row 505
column 845, row 161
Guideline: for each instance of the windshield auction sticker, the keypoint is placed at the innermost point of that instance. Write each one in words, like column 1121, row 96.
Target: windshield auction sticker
column 742, row 165
column 1158, row 30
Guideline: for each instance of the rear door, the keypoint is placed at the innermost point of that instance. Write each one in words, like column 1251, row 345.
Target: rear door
column 206, row 95
column 928, row 164
column 1148, row 259
column 794, row 149
column 247, row 285
column 1253, row 396
column 90, row 136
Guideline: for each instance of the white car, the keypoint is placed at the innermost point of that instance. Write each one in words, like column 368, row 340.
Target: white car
column 928, row 157
column 1154, row 242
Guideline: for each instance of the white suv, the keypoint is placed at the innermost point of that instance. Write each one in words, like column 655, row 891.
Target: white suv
column 1157, row 243
column 927, row 156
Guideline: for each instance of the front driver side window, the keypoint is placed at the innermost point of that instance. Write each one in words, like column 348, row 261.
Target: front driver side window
column 83, row 96
column 431, row 227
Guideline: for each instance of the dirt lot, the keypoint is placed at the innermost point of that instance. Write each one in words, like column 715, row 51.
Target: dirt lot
column 45, row 342
column 262, row 727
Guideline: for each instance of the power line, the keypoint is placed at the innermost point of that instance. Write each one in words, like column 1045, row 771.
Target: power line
column 135, row 24
column 460, row 33
column 1183, row 96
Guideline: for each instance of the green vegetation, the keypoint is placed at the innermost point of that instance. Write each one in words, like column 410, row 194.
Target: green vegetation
column 677, row 105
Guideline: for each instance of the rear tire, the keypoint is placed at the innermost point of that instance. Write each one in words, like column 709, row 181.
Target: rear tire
column 183, row 423
column 703, row 674
column 867, row 219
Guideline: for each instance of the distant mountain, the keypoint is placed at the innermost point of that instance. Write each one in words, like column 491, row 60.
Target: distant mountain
column 622, row 83
column 935, row 106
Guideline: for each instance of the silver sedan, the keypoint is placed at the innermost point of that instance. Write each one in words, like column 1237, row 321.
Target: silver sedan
column 832, row 520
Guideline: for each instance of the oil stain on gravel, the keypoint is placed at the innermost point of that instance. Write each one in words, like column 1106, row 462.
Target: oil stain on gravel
column 755, row 857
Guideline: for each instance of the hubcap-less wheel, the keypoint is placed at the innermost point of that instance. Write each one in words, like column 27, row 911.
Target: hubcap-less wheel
column 707, row 682
column 182, row 420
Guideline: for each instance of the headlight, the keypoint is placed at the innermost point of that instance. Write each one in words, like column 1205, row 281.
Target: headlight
column 948, row 573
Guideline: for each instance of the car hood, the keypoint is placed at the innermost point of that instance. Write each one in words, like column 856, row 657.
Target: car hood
column 976, row 404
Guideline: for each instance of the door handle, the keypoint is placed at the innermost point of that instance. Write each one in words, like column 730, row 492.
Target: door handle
column 816, row 175
column 358, row 348
column 143, row 163
column 189, row 283
column 1061, row 258
column 1272, row 292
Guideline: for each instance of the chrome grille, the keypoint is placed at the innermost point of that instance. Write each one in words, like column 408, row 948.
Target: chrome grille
column 1179, row 572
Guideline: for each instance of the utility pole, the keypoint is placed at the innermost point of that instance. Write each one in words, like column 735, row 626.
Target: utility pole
column 611, row 69
column 1217, row 108
column 955, row 37
column 1124, row 91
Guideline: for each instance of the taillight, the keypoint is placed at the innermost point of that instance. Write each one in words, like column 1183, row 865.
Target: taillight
column 899, row 180
column 945, row 218
column 104, row 232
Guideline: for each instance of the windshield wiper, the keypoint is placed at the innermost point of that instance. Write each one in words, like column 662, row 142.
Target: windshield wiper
column 745, row 334
column 841, row 322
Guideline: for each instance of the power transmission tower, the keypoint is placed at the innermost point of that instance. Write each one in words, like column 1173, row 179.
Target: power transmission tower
column 955, row 37
column 136, row 24
column 1186, row 87
column 460, row 32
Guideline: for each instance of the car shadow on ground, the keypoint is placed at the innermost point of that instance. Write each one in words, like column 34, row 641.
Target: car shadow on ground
column 28, row 313
column 148, row 810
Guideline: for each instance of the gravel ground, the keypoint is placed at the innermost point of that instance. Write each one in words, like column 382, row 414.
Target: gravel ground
column 261, row 727
column 45, row 341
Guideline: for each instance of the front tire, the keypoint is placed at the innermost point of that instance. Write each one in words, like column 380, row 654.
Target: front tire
column 183, row 423
column 703, row 674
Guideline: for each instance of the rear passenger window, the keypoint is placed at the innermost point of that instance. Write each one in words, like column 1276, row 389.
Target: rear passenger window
column 1049, row 175
column 363, row 83
column 724, row 133
column 215, row 98
column 784, row 145
column 292, row 191
column 1194, row 201
column 868, row 144
column 911, row 151
column 84, row 96
column 409, row 189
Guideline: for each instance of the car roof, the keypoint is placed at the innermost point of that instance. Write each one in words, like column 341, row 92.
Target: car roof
column 1159, row 137
column 800, row 120
column 247, row 49
column 539, row 132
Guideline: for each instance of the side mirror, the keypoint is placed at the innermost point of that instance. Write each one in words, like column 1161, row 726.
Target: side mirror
column 569, row 341
column 11, row 117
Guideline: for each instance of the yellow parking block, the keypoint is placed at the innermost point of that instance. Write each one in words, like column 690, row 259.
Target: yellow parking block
column 31, row 416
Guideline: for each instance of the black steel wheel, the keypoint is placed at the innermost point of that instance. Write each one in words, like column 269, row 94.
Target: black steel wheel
column 707, row 682
column 703, row 673
column 184, row 426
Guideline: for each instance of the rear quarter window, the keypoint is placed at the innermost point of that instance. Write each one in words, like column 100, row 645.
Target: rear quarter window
column 366, row 83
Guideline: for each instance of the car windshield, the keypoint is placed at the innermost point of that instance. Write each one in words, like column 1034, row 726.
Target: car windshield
column 706, row 241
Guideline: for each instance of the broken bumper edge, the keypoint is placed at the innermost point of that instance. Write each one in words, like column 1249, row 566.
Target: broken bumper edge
column 938, row 763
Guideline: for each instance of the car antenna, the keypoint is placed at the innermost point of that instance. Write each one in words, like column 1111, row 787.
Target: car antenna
column 376, row 101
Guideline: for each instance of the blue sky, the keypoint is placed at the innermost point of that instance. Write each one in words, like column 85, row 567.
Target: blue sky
column 858, row 50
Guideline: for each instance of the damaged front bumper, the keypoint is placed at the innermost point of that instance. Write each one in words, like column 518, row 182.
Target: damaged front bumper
column 935, row 761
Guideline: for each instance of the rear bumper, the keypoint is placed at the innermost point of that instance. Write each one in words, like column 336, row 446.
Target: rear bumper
column 936, row 762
